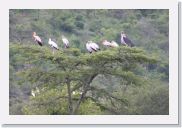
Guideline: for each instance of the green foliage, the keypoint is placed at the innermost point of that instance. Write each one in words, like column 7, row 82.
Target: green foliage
column 48, row 102
column 89, row 107
column 78, row 68
column 149, row 100
column 79, row 24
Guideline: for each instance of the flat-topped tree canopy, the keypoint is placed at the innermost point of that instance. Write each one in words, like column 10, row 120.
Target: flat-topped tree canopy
column 75, row 71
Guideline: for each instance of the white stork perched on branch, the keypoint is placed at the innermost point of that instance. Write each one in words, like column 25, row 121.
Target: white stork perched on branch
column 37, row 39
column 125, row 40
column 89, row 49
column 65, row 42
column 53, row 45
column 114, row 44
column 106, row 43
column 92, row 47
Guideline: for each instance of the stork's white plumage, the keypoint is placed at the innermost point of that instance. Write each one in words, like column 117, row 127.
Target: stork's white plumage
column 53, row 45
column 37, row 39
column 65, row 42
column 106, row 43
column 89, row 48
column 94, row 46
column 114, row 44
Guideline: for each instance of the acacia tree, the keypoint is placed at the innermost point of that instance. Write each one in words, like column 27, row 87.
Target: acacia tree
column 64, row 79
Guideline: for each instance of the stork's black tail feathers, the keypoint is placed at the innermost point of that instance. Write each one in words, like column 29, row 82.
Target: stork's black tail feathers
column 40, row 43
column 94, row 49
column 56, row 48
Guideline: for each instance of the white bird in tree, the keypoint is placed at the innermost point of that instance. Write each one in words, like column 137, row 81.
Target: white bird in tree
column 33, row 93
column 89, row 49
column 65, row 42
column 106, row 43
column 53, row 45
column 94, row 46
column 37, row 39
column 114, row 44
column 125, row 40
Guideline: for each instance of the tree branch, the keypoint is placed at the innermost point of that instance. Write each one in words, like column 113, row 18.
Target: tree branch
column 84, row 93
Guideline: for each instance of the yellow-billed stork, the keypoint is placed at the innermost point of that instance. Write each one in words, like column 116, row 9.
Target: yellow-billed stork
column 92, row 47
column 114, row 44
column 37, row 39
column 89, row 49
column 53, row 45
column 106, row 43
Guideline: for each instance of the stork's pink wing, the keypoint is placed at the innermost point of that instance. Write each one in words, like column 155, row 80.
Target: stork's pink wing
column 38, row 38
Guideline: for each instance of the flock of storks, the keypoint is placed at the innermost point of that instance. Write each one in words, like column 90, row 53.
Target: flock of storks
column 90, row 45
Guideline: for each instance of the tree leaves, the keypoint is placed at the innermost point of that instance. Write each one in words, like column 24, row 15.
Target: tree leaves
column 78, row 68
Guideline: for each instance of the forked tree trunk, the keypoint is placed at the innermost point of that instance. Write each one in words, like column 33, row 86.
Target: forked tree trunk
column 82, row 97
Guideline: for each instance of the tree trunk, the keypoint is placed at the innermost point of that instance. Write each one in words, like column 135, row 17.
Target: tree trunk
column 70, row 105
column 84, row 93
column 80, row 100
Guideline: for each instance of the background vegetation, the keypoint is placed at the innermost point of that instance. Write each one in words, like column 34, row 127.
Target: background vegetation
column 121, row 81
